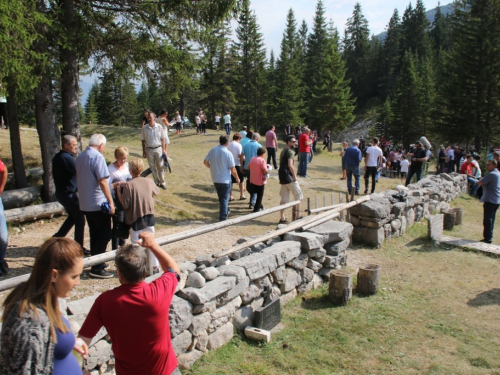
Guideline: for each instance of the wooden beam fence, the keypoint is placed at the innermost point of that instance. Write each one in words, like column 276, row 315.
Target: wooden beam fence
column 110, row 255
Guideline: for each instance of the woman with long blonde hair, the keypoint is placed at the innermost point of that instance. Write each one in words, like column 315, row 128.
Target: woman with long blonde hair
column 36, row 338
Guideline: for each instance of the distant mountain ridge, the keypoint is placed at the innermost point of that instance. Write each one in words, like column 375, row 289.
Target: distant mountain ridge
column 445, row 10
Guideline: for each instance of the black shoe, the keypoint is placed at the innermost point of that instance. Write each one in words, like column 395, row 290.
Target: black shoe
column 100, row 274
column 86, row 253
column 105, row 266
column 4, row 268
column 366, row 192
column 485, row 241
column 356, row 193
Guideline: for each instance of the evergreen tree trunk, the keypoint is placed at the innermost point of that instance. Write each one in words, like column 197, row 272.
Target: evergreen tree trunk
column 47, row 132
column 69, row 74
column 15, row 139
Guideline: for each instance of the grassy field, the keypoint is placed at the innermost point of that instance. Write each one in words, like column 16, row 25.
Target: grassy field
column 437, row 312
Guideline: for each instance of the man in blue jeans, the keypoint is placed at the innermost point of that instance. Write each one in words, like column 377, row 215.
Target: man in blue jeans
column 4, row 268
column 221, row 164
column 352, row 158
column 491, row 199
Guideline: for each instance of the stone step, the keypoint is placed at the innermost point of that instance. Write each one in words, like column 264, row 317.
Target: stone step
column 470, row 244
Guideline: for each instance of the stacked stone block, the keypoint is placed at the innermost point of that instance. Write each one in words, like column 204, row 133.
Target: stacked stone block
column 217, row 295
column 390, row 213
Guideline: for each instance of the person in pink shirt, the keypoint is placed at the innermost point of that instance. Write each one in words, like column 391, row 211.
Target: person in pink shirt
column 271, row 146
column 258, row 171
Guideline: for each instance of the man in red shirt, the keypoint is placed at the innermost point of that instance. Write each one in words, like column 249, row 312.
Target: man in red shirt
column 135, row 314
column 466, row 168
column 258, row 171
column 304, row 151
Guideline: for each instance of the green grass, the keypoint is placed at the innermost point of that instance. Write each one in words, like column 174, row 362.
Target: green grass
column 436, row 313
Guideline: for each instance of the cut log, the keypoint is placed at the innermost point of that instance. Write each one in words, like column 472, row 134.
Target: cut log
column 340, row 288
column 449, row 219
column 20, row 197
column 33, row 172
column 30, row 213
column 459, row 213
column 368, row 279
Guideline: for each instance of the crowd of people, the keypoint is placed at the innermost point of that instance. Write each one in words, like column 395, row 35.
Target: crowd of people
column 116, row 202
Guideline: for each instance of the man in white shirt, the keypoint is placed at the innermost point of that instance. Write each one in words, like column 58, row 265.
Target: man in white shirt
column 239, row 159
column 451, row 160
column 227, row 123
column 221, row 164
column 153, row 144
column 373, row 159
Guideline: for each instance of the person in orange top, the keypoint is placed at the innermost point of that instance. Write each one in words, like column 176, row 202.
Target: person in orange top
column 258, row 171
column 467, row 169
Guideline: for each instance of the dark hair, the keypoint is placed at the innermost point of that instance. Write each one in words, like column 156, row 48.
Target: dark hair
column 261, row 151
column 375, row 140
column 249, row 134
column 132, row 262
column 163, row 111
column 223, row 140
column 236, row 136
column 290, row 137
column 271, row 127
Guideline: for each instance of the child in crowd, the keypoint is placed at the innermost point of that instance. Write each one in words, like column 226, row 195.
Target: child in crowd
column 404, row 167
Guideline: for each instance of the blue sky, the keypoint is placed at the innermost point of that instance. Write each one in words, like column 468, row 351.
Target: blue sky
column 271, row 16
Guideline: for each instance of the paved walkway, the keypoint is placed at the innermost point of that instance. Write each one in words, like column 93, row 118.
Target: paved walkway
column 469, row 244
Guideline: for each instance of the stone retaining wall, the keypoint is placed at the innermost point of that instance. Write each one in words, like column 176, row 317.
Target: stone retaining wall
column 216, row 296
column 390, row 213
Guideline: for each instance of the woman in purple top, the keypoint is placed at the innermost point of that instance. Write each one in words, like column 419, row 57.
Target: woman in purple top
column 35, row 337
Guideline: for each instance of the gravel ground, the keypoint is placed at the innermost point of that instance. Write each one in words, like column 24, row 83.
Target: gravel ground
column 25, row 239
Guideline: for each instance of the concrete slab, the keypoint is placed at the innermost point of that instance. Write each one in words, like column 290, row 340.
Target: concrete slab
column 469, row 244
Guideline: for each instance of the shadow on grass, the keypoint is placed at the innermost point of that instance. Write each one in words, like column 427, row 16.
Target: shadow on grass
column 424, row 245
column 490, row 297
column 318, row 302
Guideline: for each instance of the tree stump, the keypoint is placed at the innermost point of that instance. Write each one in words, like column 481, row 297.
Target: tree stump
column 459, row 213
column 340, row 289
column 449, row 220
column 368, row 279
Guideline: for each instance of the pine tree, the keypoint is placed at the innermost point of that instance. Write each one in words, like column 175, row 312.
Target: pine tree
column 91, row 113
column 415, row 31
column 469, row 96
column 385, row 120
column 391, row 54
column 331, row 104
column 406, row 126
column 288, row 76
column 356, row 55
column 440, row 32
column 317, row 44
column 249, row 80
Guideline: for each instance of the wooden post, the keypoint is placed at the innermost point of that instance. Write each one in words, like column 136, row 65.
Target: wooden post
column 324, row 200
column 353, row 193
column 368, row 279
column 308, row 206
column 459, row 212
column 348, row 212
column 340, row 288
column 333, row 199
column 449, row 219
column 341, row 200
column 316, row 201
